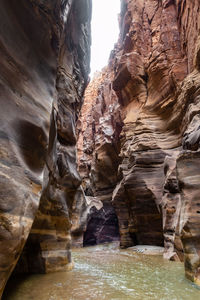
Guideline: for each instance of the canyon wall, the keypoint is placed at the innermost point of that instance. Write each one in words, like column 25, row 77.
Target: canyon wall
column 139, row 129
column 45, row 53
column 98, row 149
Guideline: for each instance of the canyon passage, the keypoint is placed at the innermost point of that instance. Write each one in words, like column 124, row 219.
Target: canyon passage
column 113, row 160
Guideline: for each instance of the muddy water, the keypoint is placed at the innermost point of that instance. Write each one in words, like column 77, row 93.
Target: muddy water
column 105, row 272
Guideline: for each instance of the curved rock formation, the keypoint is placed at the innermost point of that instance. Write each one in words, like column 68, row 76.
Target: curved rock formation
column 44, row 48
column 144, row 114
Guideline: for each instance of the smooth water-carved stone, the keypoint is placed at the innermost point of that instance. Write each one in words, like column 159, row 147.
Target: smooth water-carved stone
column 188, row 166
column 43, row 72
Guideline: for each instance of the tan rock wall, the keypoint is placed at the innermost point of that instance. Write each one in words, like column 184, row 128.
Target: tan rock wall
column 44, row 48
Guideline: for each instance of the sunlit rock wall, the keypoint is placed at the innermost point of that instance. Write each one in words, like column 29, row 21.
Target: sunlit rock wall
column 44, row 49
column 152, row 85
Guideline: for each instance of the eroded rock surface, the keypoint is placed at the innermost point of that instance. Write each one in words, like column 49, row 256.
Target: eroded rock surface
column 189, row 176
column 143, row 115
column 98, row 159
column 171, row 205
column 44, row 48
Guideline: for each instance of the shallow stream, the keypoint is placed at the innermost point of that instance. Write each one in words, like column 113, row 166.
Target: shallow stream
column 106, row 272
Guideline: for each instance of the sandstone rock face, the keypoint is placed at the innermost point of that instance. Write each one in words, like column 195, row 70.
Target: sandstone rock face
column 189, row 175
column 102, row 224
column 171, row 205
column 143, row 116
column 44, row 48
column 98, row 159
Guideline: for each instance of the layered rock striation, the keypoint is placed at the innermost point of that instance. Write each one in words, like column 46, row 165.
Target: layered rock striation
column 44, row 48
column 98, row 159
column 139, row 140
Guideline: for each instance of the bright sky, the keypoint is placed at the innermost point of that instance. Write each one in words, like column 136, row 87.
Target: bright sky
column 105, row 31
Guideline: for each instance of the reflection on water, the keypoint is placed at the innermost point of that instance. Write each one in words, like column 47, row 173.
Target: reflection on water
column 105, row 272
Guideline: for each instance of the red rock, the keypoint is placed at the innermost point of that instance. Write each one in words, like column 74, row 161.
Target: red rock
column 145, row 113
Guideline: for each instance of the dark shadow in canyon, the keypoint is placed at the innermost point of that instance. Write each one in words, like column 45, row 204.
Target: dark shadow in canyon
column 102, row 226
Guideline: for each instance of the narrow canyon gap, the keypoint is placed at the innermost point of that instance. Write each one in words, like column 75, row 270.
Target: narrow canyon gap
column 138, row 133
column 102, row 223
column 104, row 32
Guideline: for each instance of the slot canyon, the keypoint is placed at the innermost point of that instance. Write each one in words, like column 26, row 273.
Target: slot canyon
column 114, row 160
